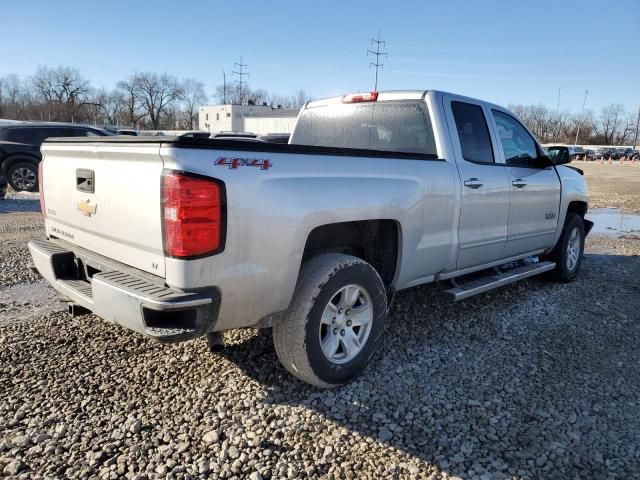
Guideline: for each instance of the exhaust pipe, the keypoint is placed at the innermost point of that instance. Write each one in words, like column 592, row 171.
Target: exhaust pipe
column 76, row 310
column 215, row 340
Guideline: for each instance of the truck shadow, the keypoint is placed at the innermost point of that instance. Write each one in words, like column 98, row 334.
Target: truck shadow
column 483, row 386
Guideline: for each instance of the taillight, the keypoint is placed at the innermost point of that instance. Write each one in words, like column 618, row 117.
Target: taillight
column 192, row 215
column 360, row 97
column 40, row 189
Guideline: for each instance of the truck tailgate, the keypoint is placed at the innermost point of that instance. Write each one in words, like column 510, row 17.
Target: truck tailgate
column 106, row 198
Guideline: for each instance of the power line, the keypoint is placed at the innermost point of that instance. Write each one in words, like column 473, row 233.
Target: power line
column 240, row 81
column 378, row 43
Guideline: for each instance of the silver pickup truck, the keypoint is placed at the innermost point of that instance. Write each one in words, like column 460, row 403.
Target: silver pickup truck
column 181, row 237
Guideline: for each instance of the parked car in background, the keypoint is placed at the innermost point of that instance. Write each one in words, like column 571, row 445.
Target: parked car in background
column 3, row 186
column 577, row 153
column 233, row 134
column 605, row 153
column 20, row 149
column 127, row 131
column 196, row 134
column 275, row 137
column 627, row 153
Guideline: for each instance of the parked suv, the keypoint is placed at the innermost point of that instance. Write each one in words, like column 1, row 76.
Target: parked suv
column 20, row 149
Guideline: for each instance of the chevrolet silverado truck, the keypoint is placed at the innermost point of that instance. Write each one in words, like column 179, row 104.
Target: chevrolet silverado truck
column 376, row 192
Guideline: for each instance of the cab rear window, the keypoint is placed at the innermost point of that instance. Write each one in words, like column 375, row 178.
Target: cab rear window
column 395, row 126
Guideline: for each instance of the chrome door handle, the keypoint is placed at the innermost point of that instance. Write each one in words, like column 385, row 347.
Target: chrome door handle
column 519, row 183
column 473, row 183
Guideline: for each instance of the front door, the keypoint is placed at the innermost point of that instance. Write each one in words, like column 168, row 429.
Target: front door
column 534, row 199
column 484, row 210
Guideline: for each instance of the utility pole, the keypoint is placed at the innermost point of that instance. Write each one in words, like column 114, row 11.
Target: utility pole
column 224, row 88
column 241, row 74
column 635, row 139
column 558, row 107
column 378, row 43
column 586, row 92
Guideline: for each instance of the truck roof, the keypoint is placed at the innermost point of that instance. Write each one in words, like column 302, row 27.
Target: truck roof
column 401, row 95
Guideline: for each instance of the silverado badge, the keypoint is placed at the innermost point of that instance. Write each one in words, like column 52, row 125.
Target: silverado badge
column 87, row 209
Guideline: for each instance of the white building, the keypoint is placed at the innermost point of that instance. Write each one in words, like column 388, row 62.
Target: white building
column 258, row 119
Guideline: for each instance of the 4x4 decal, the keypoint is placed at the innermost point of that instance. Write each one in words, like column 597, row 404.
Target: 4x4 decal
column 235, row 162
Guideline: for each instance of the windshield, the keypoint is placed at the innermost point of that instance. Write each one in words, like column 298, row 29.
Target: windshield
column 396, row 126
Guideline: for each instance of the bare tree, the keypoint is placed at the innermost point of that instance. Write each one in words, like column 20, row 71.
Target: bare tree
column 63, row 89
column 156, row 93
column 192, row 97
column 301, row 98
column 111, row 106
column 610, row 123
column 131, row 105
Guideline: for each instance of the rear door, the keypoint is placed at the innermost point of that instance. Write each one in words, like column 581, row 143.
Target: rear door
column 534, row 198
column 484, row 207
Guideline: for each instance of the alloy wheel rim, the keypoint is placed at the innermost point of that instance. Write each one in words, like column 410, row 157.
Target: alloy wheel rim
column 573, row 249
column 345, row 324
column 23, row 178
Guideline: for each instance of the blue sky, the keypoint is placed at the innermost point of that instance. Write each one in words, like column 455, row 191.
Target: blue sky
column 501, row 51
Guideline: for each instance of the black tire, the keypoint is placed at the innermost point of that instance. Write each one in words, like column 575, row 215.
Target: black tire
column 23, row 176
column 566, row 270
column 297, row 338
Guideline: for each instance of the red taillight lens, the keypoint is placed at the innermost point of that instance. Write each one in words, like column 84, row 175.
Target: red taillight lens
column 40, row 189
column 191, row 215
column 360, row 97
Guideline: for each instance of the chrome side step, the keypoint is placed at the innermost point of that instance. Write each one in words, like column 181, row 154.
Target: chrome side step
column 481, row 285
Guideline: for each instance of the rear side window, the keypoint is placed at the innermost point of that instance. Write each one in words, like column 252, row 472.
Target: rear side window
column 394, row 126
column 30, row 136
column 473, row 132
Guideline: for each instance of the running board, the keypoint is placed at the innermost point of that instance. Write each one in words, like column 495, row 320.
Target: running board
column 474, row 287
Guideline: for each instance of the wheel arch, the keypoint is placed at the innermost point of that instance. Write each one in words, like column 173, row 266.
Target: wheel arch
column 377, row 242
column 11, row 160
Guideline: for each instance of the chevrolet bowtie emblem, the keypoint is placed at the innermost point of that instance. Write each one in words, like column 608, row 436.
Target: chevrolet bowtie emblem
column 87, row 209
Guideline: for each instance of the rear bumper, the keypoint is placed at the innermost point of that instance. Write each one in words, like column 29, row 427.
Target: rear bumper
column 115, row 293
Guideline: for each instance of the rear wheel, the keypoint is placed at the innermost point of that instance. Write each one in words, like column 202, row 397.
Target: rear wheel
column 335, row 321
column 570, row 248
column 23, row 176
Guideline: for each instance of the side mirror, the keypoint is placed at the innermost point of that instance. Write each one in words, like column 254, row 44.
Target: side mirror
column 543, row 162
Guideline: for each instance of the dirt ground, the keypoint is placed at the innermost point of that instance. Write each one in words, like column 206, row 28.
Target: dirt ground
column 612, row 185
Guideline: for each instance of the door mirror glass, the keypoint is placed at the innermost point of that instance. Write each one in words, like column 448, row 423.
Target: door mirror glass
column 559, row 155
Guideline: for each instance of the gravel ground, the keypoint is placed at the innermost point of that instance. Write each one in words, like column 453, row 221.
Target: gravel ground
column 535, row 380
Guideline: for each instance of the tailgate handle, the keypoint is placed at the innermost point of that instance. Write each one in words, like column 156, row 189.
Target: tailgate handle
column 85, row 180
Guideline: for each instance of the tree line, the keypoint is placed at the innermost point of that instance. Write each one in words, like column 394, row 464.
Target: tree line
column 145, row 100
column 612, row 126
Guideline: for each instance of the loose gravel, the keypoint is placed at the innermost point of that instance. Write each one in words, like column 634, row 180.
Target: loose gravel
column 535, row 380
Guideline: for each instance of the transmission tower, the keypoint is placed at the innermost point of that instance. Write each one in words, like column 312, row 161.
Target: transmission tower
column 377, row 53
column 241, row 73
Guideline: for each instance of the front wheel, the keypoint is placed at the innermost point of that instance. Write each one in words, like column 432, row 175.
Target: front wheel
column 23, row 176
column 570, row 248
column 335, row 321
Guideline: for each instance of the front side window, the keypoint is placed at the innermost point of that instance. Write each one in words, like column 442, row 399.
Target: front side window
column 518, row 145
column 91, row 133
column 473, row 132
